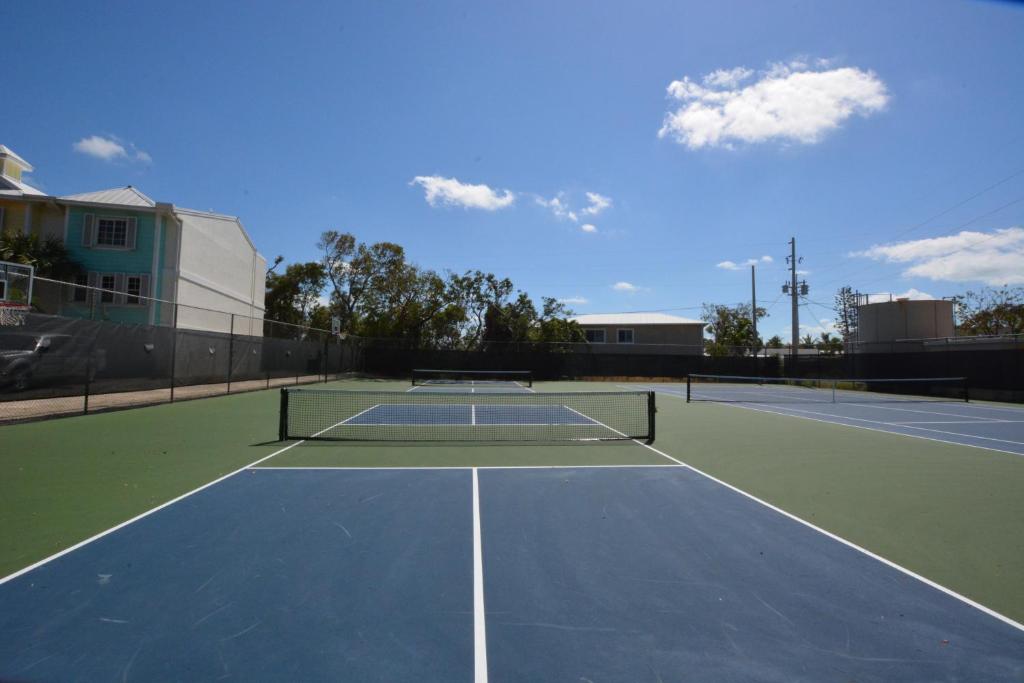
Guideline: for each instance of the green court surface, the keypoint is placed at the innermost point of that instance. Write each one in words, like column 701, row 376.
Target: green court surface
column 951, row 513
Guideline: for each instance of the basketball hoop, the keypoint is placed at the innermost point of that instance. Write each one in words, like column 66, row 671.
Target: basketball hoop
column 12, row 314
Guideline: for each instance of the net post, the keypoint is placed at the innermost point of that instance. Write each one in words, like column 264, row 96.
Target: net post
column 651, row 410
column 282, row 425
column 967, row 391
column 687, row 388
column 231, row 350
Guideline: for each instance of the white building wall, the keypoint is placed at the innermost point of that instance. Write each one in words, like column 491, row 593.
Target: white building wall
column 218, row 270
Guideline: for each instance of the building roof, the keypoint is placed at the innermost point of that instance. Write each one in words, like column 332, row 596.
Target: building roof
column 9, row 187
column 121, row 196
column 635, row 319
column 6, row 151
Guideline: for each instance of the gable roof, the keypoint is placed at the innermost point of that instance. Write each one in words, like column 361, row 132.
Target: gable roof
column 121, row 196
column 635, row 319
column 9, row 187
column 6, row 151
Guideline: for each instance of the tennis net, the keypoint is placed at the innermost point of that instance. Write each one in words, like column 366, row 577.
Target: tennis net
column 521, row 378
column 324, row 414
column 738, row 389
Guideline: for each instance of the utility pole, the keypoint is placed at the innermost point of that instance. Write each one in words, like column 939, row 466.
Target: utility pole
column 753, row 310
column 794, row 289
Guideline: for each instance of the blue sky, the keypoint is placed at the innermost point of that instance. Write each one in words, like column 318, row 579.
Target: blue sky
column 688, row 136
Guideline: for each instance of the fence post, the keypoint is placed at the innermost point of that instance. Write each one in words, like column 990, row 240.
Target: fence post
column 323, row 359
column 231, row 350
column 88, row 376
column 174, row 345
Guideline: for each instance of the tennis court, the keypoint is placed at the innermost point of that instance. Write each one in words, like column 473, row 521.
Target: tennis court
column 941, row 412
column 217, row 551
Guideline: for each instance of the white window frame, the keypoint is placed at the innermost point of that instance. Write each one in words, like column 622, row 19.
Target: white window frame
column 618, row 335
column 96, row 232
column 603, row 333
column 137, row 296
column 108, row 291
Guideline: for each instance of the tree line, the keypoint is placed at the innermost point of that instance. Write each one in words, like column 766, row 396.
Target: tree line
column 375, row 291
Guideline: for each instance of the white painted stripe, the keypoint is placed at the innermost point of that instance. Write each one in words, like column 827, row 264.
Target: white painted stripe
column 147, row 513
column 472, row 411
column 889, row 563
column 431, row 468
column 479, row 614
column 746, row 406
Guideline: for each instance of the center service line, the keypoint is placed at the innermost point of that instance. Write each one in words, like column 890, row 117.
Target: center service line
column 479, row 616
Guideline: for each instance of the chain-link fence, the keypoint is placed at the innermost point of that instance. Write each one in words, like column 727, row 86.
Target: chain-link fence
column 97, row 349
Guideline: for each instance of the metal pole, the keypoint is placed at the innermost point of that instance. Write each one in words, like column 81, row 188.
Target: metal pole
column 794, row 294
column 753, row 313
column 174, row 346
column 231, row 350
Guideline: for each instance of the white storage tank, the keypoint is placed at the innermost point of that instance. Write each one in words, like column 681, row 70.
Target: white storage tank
column 904, row 319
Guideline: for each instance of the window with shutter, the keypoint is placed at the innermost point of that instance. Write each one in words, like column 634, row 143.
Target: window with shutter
column 133, row 289
column 144, row 287
column 80, row 291
column 108, row 283
column 112, row 232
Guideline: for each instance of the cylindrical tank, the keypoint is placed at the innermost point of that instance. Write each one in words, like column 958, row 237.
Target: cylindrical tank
column 904, row 319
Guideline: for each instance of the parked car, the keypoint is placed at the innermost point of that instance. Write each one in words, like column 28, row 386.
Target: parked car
column 28, row 359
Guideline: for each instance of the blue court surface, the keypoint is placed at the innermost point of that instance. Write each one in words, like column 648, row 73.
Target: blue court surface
column 982, row 425
column 506, row 574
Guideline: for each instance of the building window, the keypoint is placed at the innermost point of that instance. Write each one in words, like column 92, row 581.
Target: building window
column 595, row 336
column 112, row 232
column 625, row 336
column 107, row 284
column 133, row 289
column 81, row 293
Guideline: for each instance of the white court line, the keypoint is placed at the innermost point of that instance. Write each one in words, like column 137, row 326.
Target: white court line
column 958, row 422
column 835, row 421
column 948, row 591
column 428, row 468
column 147, row 513
column 472, row 413
column 479, row 614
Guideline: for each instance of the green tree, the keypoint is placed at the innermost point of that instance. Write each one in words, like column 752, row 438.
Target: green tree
column 555, row 325
column 828, row 345
column 49, row 257
column 845, row 305
column 774, row 343
column 731, row 329
column 990, row 311
column 292, row 296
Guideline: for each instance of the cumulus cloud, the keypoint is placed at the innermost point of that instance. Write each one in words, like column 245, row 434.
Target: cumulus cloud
column 732, row 265
column 452, row 192
column 574, row 300
column 597, row 203
column 588, row 227
column 111, row 149
column 791, row 102
column 994, row 258
column 625, row 287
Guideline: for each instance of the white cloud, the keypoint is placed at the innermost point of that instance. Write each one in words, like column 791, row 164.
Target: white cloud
column 994, row 258
column 452, row 192
column 625, row 287
column 732, row 265
column 577, row 300
column 588, row 227
column 110, row 149
column 791, row 102
column 912, row 293
column 598, row 203
column 558, row 207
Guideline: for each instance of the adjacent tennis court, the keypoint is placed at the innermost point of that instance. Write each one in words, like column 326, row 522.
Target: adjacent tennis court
column 446, row 533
